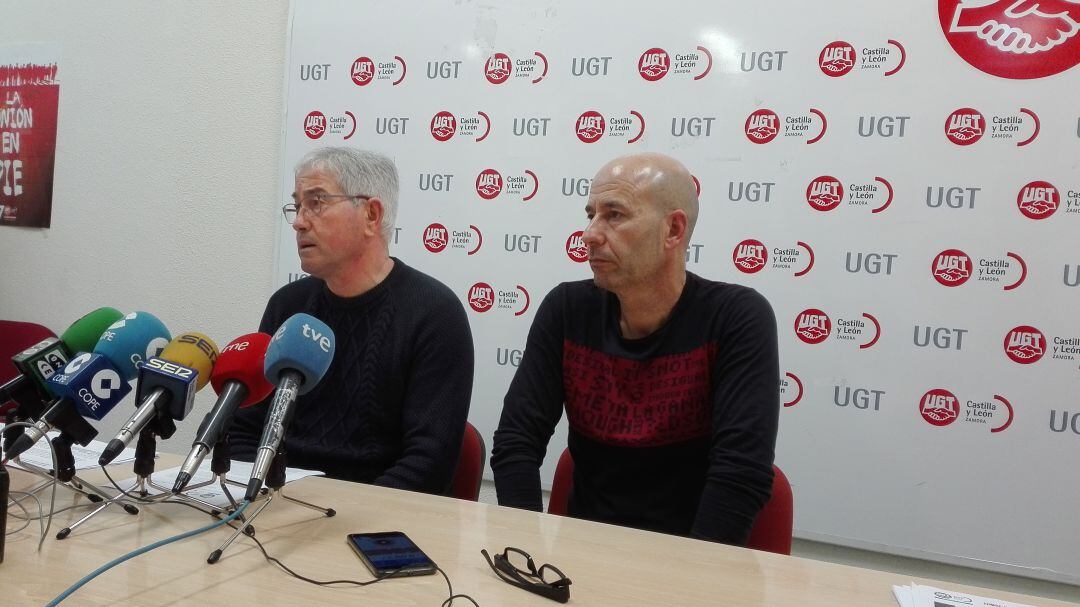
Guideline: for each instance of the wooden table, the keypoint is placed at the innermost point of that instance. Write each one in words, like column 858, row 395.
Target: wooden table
column 608, row 565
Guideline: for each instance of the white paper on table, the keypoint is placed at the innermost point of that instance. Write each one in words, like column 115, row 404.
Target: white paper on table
column 903, row 596
column 928, row 596
column 40, row 454
column 212, row 493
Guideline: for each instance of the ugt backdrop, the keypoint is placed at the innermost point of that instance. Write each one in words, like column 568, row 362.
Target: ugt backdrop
column 900, row 180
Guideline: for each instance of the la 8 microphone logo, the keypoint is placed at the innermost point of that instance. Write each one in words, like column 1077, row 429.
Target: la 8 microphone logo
column 42, row 359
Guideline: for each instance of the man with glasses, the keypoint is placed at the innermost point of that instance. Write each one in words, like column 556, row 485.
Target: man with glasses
column 670, row 382
column 391, row 409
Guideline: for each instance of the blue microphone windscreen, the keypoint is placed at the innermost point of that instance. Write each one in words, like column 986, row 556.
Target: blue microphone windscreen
column 136, row 337
column 303, row 344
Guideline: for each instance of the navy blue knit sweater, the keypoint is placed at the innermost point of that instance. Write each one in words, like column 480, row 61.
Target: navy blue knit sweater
column 391, row 409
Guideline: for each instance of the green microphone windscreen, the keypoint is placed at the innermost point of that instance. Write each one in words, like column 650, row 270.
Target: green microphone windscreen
column 84, row 333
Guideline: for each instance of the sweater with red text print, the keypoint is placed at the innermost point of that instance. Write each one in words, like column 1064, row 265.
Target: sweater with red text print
column 674, row 432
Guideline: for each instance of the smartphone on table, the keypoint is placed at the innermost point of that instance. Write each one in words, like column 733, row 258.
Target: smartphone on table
column 390, row 551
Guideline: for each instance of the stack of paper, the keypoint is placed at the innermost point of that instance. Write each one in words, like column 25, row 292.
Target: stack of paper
column 40, row 454
column 239, row 472
column 917, row 595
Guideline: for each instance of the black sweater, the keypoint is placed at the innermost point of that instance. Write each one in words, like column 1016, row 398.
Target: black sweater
column 391, row 409
column 674, row 432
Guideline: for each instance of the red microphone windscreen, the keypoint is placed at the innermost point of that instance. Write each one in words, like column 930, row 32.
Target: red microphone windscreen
column 242, row 361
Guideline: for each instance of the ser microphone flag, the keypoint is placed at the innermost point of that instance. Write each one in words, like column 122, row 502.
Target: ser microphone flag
column 167, row 387
column 296, row 360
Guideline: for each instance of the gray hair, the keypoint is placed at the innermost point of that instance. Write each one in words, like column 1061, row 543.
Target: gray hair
column 359, row 172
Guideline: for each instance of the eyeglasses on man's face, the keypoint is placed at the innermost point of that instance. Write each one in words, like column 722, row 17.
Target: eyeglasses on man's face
column 315, row 204
column 516, row 567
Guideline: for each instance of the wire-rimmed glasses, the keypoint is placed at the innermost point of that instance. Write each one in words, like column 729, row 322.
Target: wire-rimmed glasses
column 314, row 205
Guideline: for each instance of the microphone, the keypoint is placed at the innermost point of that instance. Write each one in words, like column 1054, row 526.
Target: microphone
column 167, row 387
column 37, row 363
column 91, row 384
column 239, row 381
column 24, row 397
column 296, row 360
column 29, row 391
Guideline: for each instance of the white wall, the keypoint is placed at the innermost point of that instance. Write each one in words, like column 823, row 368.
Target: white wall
column 167, row 162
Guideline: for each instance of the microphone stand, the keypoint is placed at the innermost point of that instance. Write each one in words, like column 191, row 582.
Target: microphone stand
column 275, row 481
column 145, row 453
column 220, row 464
column 64, row 475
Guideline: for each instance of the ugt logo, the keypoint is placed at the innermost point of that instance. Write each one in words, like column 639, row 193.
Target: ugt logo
column 939, row 407
column 498, row 68
column 315, row 124
column 576, row 249
column 951, row 267
column 1017, row 39
column 481, row 297
column 965, row 126
column 813, row 326
column 363, row 71
column 1025, row 345
column 590, row 126
column 762, row 126
column 436, row 237
column 489, row 184
column 653, row 64
column 1038, row 200
column 837, row 59
column 749, row 256
column 825, row 193
column 443, row 126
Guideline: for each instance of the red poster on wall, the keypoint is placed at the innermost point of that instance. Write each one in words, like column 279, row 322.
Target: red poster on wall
column 29, row 94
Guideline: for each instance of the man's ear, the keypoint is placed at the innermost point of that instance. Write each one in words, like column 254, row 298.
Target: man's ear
column 676, row 225
column 373, row 214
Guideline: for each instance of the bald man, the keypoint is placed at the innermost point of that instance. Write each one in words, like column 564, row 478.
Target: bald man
column 669, row 381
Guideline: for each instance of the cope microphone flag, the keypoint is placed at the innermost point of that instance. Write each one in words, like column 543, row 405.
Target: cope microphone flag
column 239, row 381
column 298, row 356
column 167, row 387
column 91, row 384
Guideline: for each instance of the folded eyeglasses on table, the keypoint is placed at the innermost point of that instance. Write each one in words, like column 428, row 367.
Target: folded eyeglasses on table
column 514, row 566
